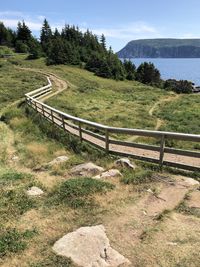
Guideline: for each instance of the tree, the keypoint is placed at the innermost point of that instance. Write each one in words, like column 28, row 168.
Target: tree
column 6, row 36
column 103, row 41
column 130, row 70
column 35, row 50
column 23, row 32
column 46, row 35
column 148, row 74
column 182, row 86
column 21, row 47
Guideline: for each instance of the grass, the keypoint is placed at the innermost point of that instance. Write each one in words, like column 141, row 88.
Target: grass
column 68, row 202
column 139, row 176
column 14, row 241
column 53, row 260
column 14, row 83
column 78, row 192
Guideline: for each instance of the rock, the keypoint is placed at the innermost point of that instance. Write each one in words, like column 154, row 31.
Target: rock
column 109, row 174
column 194, row 200
column 89, row 247
column 15, row 158
column 58, row 160
column 35, row 191
column 87, row 169
column 150, row 191
column 188, row 182
column 172, row 243
column 125, row 163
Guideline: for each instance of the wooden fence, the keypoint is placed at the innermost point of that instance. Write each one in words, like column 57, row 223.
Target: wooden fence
column 101, row 136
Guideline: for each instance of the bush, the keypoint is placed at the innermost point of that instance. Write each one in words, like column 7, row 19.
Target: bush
column 180, row 87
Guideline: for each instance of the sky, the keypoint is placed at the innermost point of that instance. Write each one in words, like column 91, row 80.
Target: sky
column 120, row 21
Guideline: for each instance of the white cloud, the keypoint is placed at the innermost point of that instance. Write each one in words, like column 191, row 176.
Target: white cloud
column 11, row 14
column 12, row 23
column 127, row 31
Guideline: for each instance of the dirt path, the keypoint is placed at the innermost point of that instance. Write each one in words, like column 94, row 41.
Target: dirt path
column 159, row 122
column 134, row 222
column 59, row 84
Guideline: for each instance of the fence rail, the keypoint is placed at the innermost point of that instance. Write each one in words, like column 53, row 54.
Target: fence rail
column 160, row 154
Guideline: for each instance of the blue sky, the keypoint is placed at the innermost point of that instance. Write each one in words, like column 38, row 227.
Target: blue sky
column 121, row 21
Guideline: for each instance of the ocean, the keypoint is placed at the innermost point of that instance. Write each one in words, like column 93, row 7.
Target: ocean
column 175, row 68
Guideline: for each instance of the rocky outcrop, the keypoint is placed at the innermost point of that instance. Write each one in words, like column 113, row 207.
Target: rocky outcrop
column 89, row 247
column 125, row 163
column 109, row 174
column 87, row 169
column 58, row 160
column 35, row 191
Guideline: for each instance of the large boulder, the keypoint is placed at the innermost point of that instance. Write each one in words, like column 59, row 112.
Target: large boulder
column 87, row 169
column 34, row 191
column 109, row 174
column 125, row 163
column 89, row 247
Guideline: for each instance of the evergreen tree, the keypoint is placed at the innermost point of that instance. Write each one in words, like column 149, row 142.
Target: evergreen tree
column 35, row 50
column 148, row 74
column 46, row 35
column 7, row 36
column 103, row 41
column 130, row 70
column 23, row 33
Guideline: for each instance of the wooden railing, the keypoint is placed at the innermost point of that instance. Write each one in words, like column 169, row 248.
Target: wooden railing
column 101, row 136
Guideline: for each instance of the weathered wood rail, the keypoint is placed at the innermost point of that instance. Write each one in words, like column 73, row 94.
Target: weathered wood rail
column 162, row 155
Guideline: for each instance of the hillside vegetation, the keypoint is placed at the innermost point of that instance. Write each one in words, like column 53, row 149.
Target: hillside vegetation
column 130, row 207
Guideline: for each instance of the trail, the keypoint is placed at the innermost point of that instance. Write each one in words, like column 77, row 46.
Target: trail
column 133, row 222
column 159, row 122
column 59, row 84
column 7, row 142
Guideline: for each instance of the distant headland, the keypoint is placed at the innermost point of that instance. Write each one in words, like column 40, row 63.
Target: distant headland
column 161, row 48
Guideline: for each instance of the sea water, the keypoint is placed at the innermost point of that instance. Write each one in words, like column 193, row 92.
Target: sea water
column 175, row 68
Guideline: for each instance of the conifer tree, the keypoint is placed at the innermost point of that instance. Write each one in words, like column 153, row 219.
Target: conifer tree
column 46, row 35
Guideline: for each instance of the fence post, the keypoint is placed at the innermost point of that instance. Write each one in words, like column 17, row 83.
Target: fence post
column 80, row 131
column 107, row 141
column 52, row 116
column 36, row 106
column 63, row 122
column 43, row 110
column 162, row 150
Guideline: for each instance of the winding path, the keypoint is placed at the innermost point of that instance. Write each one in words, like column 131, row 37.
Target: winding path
column 188, row 160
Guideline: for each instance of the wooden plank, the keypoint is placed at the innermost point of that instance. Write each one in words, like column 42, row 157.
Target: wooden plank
column 120, row 153
column 181, row 166
column 136, row 145
column 98, row 136
column 182, row 152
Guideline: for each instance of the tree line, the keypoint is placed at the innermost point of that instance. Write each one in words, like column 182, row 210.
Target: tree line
column 72, row 46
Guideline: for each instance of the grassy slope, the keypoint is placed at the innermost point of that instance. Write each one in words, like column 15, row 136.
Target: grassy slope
column 29, row 227
column 18, row 82
column 124, row 104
